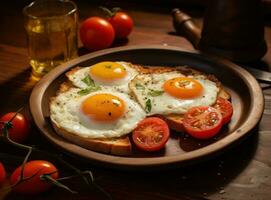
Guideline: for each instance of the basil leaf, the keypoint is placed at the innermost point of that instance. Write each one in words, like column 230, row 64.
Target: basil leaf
column 148, row 106
column 155, row 93
column 139, row 86
column 88, row 90
column 88, row 81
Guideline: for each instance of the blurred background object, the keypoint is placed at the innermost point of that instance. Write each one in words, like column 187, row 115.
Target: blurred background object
column 231, row 29
column 234, row 29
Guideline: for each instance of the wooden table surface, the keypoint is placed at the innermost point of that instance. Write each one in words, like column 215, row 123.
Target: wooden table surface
column 242, row 172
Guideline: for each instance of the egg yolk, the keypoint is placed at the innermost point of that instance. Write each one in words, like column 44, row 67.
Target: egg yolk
column 108, row 71
column 183, row 87
column 103, row 107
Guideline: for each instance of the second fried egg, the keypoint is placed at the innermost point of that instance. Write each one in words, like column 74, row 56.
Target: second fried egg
column 105, row 74
column 172, row 92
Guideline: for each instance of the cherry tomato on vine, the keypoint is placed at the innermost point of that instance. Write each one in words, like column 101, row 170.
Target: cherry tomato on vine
column 151, row 134
column 122, row 24
column 202, row 122
column 96, row 33
column 2, row 173
column 20, row 126
column 225, row 107
column 34, row 184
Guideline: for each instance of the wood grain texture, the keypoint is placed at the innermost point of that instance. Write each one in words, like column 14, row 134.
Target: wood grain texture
column 242, row 172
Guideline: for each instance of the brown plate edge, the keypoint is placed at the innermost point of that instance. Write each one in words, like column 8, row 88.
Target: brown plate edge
column 257, row 103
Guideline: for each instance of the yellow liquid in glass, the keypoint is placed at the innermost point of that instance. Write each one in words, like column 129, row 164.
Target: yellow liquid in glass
column 51, row 42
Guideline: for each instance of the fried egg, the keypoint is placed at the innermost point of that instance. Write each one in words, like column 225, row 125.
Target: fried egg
column 105, row 74
column 100, row 114
column 172, row 92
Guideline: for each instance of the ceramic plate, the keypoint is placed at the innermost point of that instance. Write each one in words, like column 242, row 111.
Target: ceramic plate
column 247, row 100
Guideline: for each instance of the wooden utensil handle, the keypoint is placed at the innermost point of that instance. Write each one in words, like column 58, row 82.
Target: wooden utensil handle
column 184, row 25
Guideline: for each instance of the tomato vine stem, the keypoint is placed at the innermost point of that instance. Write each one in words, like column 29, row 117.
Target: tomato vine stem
column 87, row 176
column 110, row 13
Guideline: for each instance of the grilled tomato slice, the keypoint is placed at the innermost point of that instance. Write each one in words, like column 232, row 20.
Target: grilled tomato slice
column 151, row 134
column 225, row 107
column 203, row 122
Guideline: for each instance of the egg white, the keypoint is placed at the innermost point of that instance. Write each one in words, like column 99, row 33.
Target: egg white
column 164, row 103
column 66, row 113
column 119, row 85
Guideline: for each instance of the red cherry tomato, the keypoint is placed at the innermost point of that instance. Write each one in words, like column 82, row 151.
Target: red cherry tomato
column 225, row 107
column 20, row 129
column 33, row 185
column 202, row 122
column 122, row 23
column 2, row 173
column 151, row 134
column 96, row 33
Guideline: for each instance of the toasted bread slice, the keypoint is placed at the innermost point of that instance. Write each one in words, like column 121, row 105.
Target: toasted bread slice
column 175, row 121
column 122, row 146
column 116, row 146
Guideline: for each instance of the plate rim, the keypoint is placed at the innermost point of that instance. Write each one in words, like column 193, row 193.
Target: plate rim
column 39, row 89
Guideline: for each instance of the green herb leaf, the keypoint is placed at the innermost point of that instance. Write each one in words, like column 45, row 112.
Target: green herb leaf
column 148, row 106
column 155, row 93
column 88, row 90
column 88, row 81
column 139, row 86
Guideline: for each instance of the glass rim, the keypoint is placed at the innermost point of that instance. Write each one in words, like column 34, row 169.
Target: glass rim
column 50, row 17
